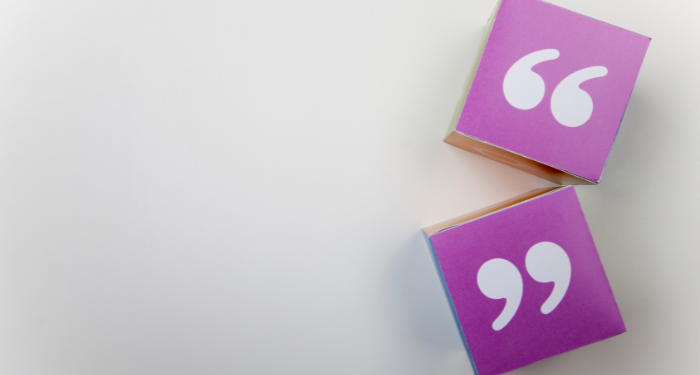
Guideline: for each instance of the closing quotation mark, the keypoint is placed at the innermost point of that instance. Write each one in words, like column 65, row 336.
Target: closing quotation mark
column 524, row 89
column 545, row 262
column 497, row 279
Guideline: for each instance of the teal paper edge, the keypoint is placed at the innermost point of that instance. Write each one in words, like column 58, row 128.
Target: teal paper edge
column 449, row 300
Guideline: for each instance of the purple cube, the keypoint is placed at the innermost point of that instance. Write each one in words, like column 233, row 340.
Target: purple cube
column 549, row 91
column 525, row 280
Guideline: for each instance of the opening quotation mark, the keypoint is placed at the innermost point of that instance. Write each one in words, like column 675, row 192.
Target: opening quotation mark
column 546, row 262
column 525, row 89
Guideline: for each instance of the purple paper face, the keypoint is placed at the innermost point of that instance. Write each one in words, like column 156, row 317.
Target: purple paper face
column 527, row 283
column 553, row 85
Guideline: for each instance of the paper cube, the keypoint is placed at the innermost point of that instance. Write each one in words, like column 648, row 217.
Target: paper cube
column 525, row 280
column 548, row 92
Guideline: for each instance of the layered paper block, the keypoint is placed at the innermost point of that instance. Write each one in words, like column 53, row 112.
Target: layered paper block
column 525, row 280
column 548, row 92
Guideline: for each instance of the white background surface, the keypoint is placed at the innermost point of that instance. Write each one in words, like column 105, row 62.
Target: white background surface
column 212, row 187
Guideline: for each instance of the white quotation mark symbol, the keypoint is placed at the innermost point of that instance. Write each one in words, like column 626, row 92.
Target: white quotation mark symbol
column 497, row 279
column 524, row 89
column 545, row 262
column 572, row 106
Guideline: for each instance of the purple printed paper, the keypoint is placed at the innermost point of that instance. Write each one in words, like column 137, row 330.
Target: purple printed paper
column 527, row 283
column 553, row 85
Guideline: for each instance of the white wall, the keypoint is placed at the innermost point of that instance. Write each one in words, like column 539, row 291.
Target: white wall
column 212, row 187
